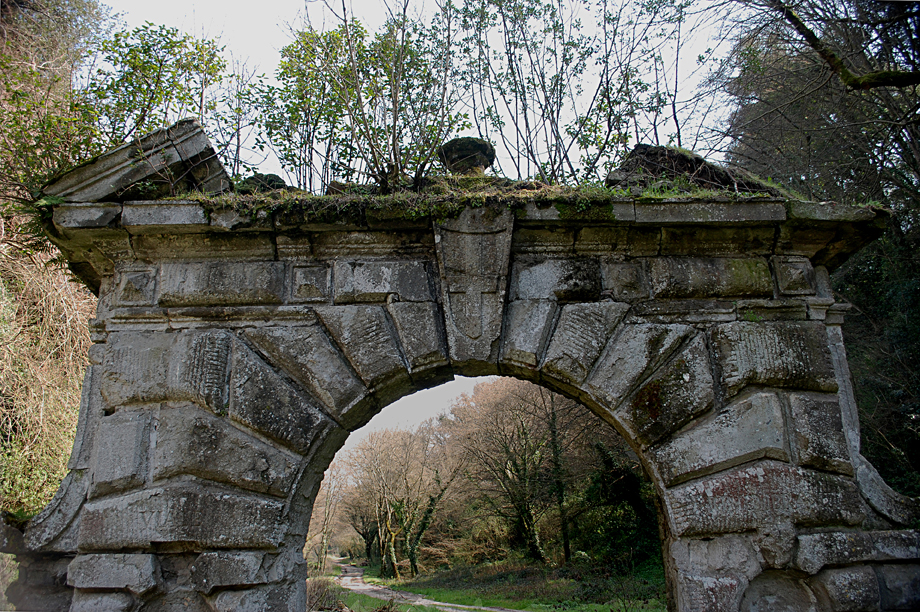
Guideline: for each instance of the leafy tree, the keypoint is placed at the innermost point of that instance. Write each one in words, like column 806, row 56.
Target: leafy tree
column 151, row 77
column 829, row 115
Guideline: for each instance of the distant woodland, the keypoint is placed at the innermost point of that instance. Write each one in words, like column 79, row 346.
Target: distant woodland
column 821, row 98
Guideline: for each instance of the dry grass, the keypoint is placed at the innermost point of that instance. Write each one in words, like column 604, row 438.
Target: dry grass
column 43, row 343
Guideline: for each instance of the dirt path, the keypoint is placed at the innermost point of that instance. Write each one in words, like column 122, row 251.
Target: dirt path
column 352, row 578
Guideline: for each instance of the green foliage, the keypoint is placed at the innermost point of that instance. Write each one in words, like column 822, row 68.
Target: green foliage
column 151, row 77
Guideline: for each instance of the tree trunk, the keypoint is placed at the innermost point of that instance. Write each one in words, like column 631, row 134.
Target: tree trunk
column 558, row 481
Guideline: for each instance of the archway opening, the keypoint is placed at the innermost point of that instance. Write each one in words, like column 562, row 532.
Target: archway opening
column 494, row 486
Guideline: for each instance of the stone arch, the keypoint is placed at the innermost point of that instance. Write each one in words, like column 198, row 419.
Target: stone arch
column 234, row 353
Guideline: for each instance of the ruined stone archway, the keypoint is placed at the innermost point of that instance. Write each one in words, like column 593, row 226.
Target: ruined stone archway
column 234, row 353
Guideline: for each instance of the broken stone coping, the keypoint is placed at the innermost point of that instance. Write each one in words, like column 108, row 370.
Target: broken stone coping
column 94, row 234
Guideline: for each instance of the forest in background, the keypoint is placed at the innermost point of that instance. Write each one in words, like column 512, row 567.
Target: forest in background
column 824, row 101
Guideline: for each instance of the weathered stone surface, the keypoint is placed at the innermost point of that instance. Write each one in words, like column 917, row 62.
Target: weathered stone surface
column 529, row 323
column 214, row 570
column 375, row 281
column 276, row 598
column 91, row 601
column 719, row 241
column 308, row 356
column 715, row 593
column 817, row 550
column 794, row 275
column 894, row 506
column 54, row 528
column 818, row 437
column 150, row 367
column 687, row 311
column 366, row 337
column 683, row 389
column 899, row 586
column 761, row 494
column 120, row 455
column 137, row 286
column 775, row 591
column 420, row 330
column 732, row 555
column 139, row 574
column 203, row 247
column 777, row 354
column 624, row 281
column 473, row 252
column 636, row 350
column 262, row 400
column 203, row 517
column 632, row 241
column 221, row 284
column 747, row 429
column 568, row 280
column 91, row 411
column 709, row 212
column 179, row 600
column 580, row 336
column 179, row 157
column 191, row 441
column 310, row 283
column 86, row 215
column 850, row 589
column 682, row 277
column 164, row 216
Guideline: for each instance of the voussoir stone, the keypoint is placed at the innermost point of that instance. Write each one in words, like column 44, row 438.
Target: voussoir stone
column 848, row 589
column 137, row 573
column 774, row 353
column 214, row 570
column 580, row 336
column 120, row 455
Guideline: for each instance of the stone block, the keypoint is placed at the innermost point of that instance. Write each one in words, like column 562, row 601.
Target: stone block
column 775, row 591
column 708, row 213
column 366, row 337
column 307, row 355
column 847, row 589
column 717, row 241
column 203, row 247
column 794, row 275
column 688, row 311
column 817, row 433
column 775, row 354
column 180, row 153
column 262, row 400
column 193, row 442
column 143, row 367
column 624, row 281
column 730, row 554
column 682, row 277
column 53, row 529
column 137, row 573
column 375, row 281
column 580, row 336
column 828, row 211
column 747, row 429
column 818, row 550
column 567, row 280
column 91, row 601
column 215, row 570
column 473, row 252
column 85, row 215
column 199, row 517
column 285, row 597
column 310, row 283
column 221, row 283
column 627, row 240
column 542, row 240
column 710, row 593
column 164, row 216
column 899, row 586
column 120, row 452
column 135, row 286
column 634, row 352
column 528, row 324
column 677, row 393
column 898, row 508
column 420, row 330
column 764, row 493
